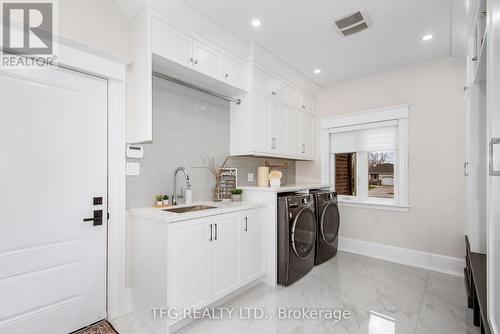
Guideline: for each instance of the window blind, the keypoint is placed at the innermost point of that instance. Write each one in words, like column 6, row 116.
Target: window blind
column 370, row 138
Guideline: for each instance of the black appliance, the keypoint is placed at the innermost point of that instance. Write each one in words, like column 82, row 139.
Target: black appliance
column 296, row 237
column 328, row 223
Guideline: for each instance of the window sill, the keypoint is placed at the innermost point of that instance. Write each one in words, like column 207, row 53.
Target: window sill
column 375, row 206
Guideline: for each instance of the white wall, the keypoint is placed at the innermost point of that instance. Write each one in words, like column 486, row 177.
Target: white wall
column 435, row 222
column 98, row 23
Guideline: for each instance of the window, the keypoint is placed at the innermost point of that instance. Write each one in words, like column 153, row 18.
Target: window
column 367, row 157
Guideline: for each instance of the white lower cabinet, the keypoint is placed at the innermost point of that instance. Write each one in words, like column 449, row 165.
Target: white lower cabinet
column 189, row 264
column 210, row 258
column 225, row 258
column 251, row 246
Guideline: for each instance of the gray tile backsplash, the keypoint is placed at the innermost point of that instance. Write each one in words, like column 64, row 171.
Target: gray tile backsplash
column 186, row 126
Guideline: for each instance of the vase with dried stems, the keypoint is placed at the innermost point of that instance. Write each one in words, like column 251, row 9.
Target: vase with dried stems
column 215, row 170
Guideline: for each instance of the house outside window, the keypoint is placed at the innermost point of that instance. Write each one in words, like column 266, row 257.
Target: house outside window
column 365, row 157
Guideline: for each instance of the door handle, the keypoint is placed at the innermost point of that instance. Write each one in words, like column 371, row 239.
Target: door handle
column 211, row 233
column 493, row 142
column 273, row 143
column 216, row 232
column 97, row 219
column 303, row 148
column 246, row 224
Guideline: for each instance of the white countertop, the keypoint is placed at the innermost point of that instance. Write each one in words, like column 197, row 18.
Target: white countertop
column 157, row 214
column 286, row 188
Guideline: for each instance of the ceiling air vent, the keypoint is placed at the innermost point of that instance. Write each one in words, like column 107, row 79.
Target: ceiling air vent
column 353, row 23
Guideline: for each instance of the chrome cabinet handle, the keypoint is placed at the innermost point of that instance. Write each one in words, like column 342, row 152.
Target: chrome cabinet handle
column 196, row 62
column 303, row 148
column 227, row 75
column 273, row 93
column 191, row 59
column 216, row 232
column 246, row 224
column 493, row 142
column 273, row 143
column 211, row 233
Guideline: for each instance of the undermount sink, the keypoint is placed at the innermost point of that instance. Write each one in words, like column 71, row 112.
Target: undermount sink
column 192, row 208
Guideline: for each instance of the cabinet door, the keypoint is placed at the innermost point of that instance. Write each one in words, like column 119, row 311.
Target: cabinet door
column 207, row 60
column 234, row 73
column 251, row 245
column 307, row 134
column 307, row 104
column 260, row 136
column 225, row 256
column 277, row 128
column 293, row 98
column 293, row 141
column 171, row 43
column 189, row 269
column 277, row 91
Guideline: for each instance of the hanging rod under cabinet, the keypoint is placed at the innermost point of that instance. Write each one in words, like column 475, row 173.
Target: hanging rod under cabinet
column 203, row 90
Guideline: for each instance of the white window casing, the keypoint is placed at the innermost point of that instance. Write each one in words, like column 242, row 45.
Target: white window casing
column 384, row 129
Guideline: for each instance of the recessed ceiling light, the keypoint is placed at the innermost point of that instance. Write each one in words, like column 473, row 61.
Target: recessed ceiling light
column 256, row 23
column 427, row 37
column 317, row 71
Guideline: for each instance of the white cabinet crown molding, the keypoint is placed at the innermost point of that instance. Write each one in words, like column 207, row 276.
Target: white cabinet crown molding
column 368, row 116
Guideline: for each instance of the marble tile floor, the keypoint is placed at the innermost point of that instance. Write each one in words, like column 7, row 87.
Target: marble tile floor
column 380, row 297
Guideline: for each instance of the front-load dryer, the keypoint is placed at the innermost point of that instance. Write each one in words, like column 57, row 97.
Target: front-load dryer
column 328, row 224
column 296, row 237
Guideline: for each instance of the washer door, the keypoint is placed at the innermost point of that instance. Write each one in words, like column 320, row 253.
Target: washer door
column 304, row 233
column 330, row 223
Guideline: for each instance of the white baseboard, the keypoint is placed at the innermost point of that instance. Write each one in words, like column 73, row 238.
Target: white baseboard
column 435, row 262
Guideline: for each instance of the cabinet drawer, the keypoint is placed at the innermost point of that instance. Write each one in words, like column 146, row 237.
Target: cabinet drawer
column 306, row 104
column 171, row 43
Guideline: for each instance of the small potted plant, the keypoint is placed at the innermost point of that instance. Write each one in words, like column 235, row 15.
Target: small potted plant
column 236, row 195
column 159, row 200
column 165, row 200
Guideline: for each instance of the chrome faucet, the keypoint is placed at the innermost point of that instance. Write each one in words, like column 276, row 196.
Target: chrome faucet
column 186, row 176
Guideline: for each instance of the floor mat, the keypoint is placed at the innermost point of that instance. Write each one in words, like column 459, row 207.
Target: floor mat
column 102, row 327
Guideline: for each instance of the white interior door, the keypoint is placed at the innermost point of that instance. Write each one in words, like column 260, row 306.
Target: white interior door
column 53, row 130
column 493, row 181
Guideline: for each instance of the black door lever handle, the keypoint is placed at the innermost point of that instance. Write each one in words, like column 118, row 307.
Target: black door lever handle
column 97, row 219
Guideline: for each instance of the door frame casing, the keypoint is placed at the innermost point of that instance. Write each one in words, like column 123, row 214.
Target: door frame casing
column 79, row 57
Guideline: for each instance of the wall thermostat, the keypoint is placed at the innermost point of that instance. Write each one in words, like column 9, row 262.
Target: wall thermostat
column 135, row 152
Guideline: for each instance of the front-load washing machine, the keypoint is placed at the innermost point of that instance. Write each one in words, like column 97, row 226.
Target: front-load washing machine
column 296, row 237
column 328, row 224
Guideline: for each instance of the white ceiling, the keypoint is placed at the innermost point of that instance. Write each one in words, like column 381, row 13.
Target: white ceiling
column 301, row 33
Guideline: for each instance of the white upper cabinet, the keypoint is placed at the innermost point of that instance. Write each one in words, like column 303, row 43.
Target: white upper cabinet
column 293, row 142
column 172, row 44
column 306, row 104
column 234, row 73
column 207, row 60
column 307, row 135
column 166, row 48
column 293, row 98
column 275, row 121
column 277, row 126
